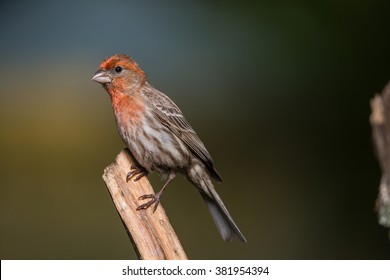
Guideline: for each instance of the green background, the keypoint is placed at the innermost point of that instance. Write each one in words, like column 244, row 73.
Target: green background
column 277, row 90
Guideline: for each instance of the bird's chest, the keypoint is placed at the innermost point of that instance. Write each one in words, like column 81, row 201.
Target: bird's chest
column 153, row 145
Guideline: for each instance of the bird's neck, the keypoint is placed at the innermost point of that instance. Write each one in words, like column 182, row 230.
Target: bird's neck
column 126, row 103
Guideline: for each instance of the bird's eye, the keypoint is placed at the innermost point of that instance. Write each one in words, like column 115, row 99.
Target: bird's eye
column 118, row 69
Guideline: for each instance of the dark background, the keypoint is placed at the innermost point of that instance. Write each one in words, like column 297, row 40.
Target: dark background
column 278, row 92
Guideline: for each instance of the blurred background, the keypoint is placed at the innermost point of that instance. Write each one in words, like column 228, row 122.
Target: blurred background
column 278, row 92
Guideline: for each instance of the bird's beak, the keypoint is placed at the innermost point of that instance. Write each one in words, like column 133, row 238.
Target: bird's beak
column 102, row 77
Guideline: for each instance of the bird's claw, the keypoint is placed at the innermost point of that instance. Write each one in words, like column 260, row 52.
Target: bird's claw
column 136, row 170
column 154, row 199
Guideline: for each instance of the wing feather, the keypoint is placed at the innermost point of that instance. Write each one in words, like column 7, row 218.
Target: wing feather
column 172, row 117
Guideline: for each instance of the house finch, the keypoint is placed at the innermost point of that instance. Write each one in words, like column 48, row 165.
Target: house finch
column 160, row 138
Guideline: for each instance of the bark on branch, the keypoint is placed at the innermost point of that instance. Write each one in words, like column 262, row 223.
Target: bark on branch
column 380, row 124
column 151, row 234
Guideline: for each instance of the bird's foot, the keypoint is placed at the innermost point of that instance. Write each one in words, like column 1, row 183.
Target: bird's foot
column 136, row 170
column 154, row 199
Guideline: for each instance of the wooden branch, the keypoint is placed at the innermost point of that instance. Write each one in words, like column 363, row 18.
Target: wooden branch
column 380, row 124
column 151, row 233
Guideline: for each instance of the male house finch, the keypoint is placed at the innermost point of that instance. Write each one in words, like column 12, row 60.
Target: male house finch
column 160, row 138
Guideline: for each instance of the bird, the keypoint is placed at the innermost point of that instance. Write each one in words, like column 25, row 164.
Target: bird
column 156, row 132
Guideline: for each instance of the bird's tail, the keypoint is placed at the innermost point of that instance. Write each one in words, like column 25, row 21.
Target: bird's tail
column 224, row 222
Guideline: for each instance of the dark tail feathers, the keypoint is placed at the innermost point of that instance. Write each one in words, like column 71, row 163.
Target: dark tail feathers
column 224, row 222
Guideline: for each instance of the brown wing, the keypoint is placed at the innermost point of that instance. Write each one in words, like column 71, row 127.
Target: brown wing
column 171, row 116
